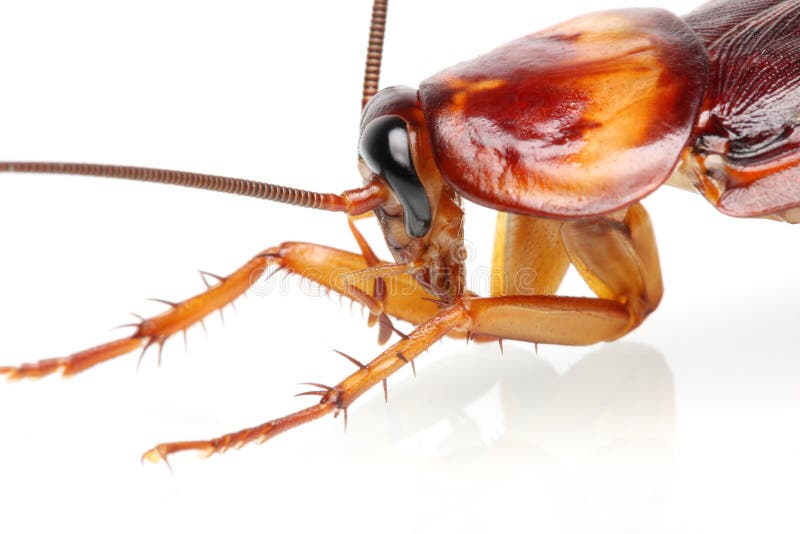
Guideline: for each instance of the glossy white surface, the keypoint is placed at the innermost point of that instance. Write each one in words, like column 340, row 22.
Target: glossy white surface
column 690, row 424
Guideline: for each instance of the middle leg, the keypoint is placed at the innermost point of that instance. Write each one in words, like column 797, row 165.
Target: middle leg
column 333, row 399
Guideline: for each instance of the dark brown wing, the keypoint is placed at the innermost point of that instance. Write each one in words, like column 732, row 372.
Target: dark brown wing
column 754, row 76
column 752, row 108
column 715, row 18
column 577, row 120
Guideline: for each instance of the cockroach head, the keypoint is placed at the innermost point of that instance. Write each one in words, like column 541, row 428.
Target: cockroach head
column 421, row 218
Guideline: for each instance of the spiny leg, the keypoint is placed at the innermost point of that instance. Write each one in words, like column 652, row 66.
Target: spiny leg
column 330, row 267
column 618, row 258
column 404, row 298
column 154, row 330
column 323, row 265
column 333, row 399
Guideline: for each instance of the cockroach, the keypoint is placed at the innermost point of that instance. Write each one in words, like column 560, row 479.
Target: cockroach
column 561, row 132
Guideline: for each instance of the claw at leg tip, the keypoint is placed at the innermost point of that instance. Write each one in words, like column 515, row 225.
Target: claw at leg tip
column 153, row 456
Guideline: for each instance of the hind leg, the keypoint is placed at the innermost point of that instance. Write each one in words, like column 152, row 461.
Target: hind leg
column 617, row 257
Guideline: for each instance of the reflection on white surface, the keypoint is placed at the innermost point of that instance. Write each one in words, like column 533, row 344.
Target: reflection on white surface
column 598, row 438
column 621, row 439
column 478, row 442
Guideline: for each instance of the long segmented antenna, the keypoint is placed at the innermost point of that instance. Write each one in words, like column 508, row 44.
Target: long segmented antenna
column 377, row 27
column 356, row 200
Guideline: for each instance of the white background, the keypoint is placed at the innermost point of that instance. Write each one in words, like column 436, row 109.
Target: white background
column 689, row 424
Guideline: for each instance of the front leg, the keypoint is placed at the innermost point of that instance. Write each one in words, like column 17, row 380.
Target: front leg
column 323, row 265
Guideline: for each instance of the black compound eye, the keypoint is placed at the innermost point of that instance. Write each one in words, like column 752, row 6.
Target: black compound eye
column 384, row 148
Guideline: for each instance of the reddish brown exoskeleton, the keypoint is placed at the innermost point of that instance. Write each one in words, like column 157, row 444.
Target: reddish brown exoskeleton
column 562, row 132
